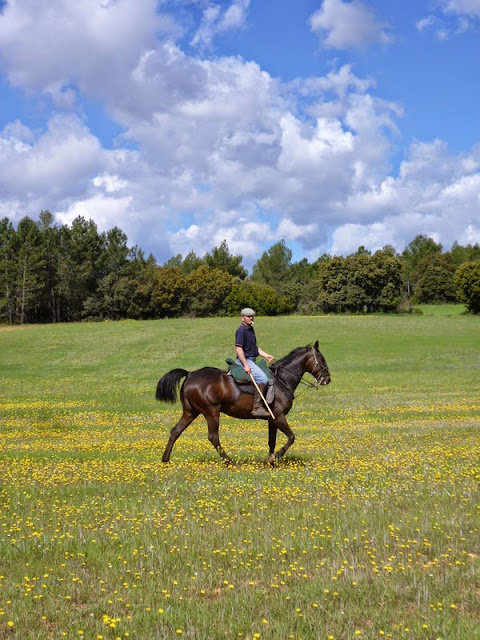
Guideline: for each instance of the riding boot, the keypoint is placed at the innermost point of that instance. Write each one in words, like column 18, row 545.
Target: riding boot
column 259, row 409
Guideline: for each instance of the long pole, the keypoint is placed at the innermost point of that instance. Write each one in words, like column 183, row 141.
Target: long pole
column 261, row 395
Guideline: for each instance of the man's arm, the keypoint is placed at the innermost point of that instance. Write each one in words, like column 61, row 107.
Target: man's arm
column 265, row 355
column 241, row 356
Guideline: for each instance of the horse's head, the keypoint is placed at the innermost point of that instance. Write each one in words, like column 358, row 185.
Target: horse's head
column 317, row 366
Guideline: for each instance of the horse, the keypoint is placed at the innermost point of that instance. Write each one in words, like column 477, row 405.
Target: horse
column 210, row 391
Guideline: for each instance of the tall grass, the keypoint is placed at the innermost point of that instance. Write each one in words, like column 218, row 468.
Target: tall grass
column 368, row 529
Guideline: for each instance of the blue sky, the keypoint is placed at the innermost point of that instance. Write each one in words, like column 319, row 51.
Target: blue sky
column 326, row 123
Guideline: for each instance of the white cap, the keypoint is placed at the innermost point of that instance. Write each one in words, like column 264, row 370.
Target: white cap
column 247, row 312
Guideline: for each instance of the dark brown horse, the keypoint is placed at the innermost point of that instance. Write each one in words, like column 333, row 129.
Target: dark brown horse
column 210, row 391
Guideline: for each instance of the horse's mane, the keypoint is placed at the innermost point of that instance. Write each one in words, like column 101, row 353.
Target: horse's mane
column 288, row 358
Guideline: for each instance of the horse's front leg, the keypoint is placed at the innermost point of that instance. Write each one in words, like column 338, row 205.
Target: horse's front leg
column 272, row 441
column 282, row 424
column 213, row 421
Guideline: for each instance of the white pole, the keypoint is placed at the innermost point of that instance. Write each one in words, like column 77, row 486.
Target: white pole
column 261, row 395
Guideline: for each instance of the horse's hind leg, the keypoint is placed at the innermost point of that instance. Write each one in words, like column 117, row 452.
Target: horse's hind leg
column 187, row 418
column 213, row 421
column 272, row 441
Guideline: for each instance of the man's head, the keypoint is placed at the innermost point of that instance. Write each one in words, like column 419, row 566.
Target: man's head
column 247, row 315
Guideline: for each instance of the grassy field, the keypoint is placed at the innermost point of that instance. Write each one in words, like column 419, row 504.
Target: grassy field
column 369, row 528
column 442, row 309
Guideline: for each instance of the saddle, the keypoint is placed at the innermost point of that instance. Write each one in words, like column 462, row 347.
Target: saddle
column 240, row 376
column 245, row 385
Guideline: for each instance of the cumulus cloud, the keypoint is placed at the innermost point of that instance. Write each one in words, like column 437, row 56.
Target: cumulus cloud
column 52, row 165
column 106, row 209
column 216, row 148
column 464, row 7
column 454, row 17
column 347, row 25
column 92, row 43
column 347, row 238
column 425, row 23
column 216, row 21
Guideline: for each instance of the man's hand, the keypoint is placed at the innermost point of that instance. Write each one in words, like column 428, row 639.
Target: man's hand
column 266, row 355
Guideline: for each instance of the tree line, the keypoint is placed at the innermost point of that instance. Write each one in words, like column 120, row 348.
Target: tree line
column 61, row 273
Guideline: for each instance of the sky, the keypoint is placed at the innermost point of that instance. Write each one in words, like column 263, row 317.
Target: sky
column 324, row 123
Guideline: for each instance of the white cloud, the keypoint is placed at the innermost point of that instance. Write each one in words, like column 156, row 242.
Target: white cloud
column 454, row 18
column 216, row 21
column 288, row 229
column 425, row 23
column 244, row 235
column 347, row 25
column 52, row 165
column 216, row 148
column 464, row 7
column 106, row 209
column 110, row 183
column 349, row 237
column 235, row 16
column 435, row 193
column 471, row 235
column 90, row 43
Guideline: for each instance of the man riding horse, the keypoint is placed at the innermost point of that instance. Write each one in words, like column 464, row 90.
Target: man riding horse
column 247, row 352
column 210, row 391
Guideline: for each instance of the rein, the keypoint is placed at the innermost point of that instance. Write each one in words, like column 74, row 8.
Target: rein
column 307, row 383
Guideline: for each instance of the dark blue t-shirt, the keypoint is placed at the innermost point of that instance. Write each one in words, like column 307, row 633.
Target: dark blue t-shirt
column 245, row 338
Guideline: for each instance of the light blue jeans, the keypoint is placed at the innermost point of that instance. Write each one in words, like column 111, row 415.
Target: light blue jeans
column 257, row 373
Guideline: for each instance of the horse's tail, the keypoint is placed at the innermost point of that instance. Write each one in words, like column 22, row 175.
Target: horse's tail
column 167, row 386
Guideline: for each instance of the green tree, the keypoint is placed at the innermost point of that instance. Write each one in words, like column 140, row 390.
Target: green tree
column 7, row 271
column 221, row 258
column 167, row 293
column 29, row 269
column 50, row 243
column 360, row 283
column 113, row 252
column 69, row 303
column 261, row 297
column 187, row 264
column 362, row 251
column 143, row 270
column 467, row 282
column 460, row 254
column 80, row 268
column 413, row 255
column 273, row 268
column 206, row 291
column 436, row 284
column 298, row 287
column 120, row 291
column 174, row 261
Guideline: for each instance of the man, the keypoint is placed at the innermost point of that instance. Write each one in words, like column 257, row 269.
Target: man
column 247, row 352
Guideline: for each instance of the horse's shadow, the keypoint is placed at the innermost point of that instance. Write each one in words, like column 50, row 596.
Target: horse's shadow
column 259, row 462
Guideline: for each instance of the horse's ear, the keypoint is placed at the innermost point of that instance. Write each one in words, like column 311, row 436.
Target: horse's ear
column 315, row 346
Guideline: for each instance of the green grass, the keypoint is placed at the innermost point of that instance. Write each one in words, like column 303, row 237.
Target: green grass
column 442, row 309
column 369, row 528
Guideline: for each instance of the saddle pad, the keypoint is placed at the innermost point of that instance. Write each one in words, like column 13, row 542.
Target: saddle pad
column 239, row 374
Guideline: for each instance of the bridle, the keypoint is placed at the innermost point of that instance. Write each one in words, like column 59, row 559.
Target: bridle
column 321, row 376
column 318, row 379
